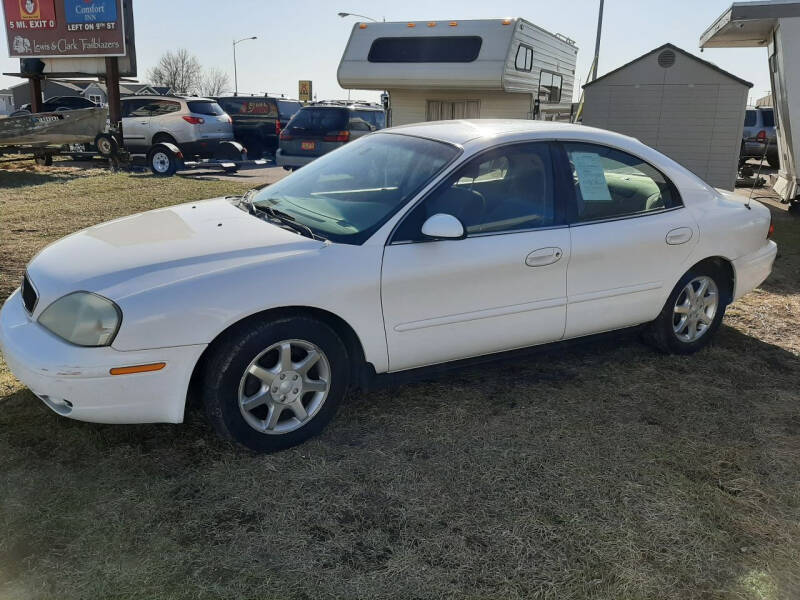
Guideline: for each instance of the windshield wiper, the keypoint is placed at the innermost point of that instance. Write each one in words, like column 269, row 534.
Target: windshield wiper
column 289, row 221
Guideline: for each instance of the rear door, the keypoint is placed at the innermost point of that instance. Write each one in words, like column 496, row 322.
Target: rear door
column 316, row 130
column 136, row 123
column 631, row 238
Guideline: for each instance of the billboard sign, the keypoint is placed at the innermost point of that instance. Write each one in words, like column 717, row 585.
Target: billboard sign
column 304, row 91
column 64, row 28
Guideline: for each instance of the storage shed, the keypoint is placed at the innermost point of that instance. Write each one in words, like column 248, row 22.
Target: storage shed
column 685, row 107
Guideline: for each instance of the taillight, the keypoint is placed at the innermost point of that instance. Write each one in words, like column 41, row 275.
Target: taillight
column 277, row 127
column 337, row 136
column 194, row 120
column 771, row 229
column 230, row 120
column 762, row 136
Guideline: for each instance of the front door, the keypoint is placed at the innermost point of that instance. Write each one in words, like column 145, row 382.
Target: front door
column 631, row 238
column 501, row 287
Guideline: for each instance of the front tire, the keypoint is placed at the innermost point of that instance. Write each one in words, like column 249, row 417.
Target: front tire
column 273, row 384
column 693, row 312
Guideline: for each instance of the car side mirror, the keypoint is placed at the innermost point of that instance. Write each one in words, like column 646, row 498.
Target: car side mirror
column 443, row 227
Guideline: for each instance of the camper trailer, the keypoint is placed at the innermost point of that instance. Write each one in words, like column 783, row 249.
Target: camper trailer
column 490, row 68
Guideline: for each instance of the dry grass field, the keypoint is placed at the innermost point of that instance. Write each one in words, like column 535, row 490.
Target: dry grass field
column 602, row 471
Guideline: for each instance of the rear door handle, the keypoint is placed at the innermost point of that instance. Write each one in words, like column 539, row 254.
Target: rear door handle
column 543, row 257
column 680, row 235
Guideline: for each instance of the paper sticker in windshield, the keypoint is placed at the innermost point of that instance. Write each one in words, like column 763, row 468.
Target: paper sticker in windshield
column 591, row 177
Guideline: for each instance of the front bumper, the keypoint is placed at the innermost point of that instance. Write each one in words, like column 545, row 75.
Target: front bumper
column 752, row 269
column 75, row 382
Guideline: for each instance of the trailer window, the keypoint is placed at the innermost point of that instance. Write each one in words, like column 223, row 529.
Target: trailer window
column 524, row 60
column 425, row 49
column 768, row 117
column 549, row 87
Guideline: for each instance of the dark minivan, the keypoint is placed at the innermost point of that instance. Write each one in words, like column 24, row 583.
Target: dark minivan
column 316, row 130
column 258, row 121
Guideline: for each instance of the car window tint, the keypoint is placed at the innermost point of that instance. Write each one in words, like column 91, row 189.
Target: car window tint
column 249, row 106
column 357, row 123
column 205, row 107
column 768, row 117
column 287, row 108
column 749, row 118
column 504, row 190
column 610, row 183
column 320, row 119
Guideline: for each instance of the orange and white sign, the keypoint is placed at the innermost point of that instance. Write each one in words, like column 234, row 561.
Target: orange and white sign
column 29, row 14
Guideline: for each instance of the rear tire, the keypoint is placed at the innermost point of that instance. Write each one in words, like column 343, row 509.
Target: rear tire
column 693, row 312
column 286, row 401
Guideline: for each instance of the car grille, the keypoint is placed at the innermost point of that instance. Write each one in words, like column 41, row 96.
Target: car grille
column 29, row 295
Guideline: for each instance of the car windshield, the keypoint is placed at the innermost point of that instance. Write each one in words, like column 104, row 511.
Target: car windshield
column 348, row 194
column 320, row 119
column 205, row 107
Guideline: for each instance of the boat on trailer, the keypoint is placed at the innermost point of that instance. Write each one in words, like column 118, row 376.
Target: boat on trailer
column 52, row 129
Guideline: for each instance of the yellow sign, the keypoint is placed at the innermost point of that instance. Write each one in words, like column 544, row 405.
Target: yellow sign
column 305, row 93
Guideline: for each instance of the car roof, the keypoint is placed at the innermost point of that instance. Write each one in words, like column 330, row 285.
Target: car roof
column 186, row 98
column 463, row 131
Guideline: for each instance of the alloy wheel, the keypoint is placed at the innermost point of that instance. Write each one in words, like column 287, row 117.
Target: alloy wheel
column 695, row 309
column 284, row 387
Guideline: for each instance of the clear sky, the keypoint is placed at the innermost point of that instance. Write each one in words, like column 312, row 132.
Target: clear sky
column 304, row 39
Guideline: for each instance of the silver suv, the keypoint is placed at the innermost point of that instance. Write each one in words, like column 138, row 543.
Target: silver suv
column 759, row 136
column 319, row 128
column 195, row 125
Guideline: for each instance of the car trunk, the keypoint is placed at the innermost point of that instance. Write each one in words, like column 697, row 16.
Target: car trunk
column 315, row 131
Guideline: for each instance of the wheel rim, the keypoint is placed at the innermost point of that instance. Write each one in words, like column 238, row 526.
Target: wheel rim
column 284, row 387
column 104, row 146
column 160, row 162
column 695, row 309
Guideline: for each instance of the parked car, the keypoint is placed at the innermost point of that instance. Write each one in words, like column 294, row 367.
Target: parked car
column 258, row 120
column 195, row 125
column 759, row 135
column 57, row 103
column 316, row 130
column 407, row 248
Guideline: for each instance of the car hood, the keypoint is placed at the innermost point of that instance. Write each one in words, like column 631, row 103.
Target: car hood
column 151, row 249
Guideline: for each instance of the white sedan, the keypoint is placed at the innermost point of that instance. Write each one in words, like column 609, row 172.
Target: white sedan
column 410, row 247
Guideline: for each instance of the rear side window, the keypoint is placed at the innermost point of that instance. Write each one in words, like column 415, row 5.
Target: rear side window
column 320, row 119
column 768, row 117
column 611, row 184
column 162, row 107
column 205, row 107
column 287, row 108
column 425, row 49
column 750, row 118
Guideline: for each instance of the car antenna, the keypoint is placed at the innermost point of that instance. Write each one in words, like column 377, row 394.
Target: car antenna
column 757, row 177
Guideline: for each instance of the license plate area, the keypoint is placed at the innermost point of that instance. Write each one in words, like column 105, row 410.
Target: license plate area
column 308, row 145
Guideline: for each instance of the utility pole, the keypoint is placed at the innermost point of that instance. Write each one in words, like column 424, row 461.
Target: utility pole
column 593, row 76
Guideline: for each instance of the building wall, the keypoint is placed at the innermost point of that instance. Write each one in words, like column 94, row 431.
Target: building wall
column 410, row 106
column 22, row 93
column 691, row 112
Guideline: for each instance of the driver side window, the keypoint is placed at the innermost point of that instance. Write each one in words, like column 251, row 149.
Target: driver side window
column 504, row 190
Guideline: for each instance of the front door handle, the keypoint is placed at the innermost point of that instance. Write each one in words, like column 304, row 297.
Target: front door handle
column 681, row 235
column 543, row 257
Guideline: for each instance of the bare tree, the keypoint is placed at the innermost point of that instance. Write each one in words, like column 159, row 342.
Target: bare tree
column 179, row 70
column 214, row 82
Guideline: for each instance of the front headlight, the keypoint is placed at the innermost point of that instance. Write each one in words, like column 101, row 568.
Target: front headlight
column 83, row 319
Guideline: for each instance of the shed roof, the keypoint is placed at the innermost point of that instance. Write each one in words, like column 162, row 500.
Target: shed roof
column 666, row 46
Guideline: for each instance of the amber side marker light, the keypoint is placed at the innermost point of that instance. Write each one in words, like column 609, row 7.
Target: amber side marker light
column 432, row 24
column 362, row 25
column 506, row 21
column 453, row 23
column 137, row 369
column 412, row 24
